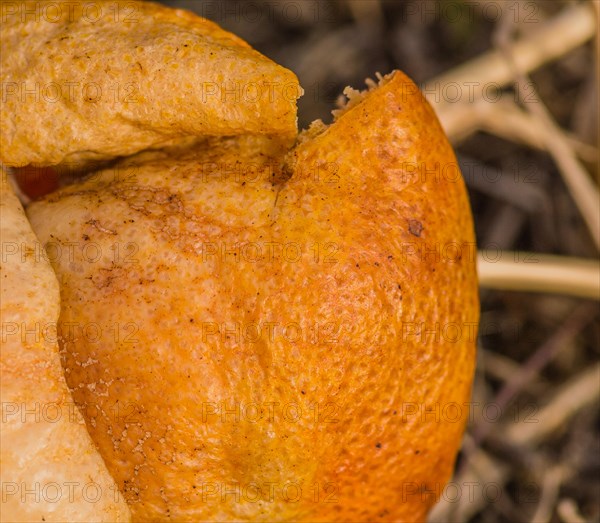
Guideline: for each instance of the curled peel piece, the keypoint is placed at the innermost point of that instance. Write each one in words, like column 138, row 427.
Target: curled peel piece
column 51, row 470
column 313, row 281
column 85, row 83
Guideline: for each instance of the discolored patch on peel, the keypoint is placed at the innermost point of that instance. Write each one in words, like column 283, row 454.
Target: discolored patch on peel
column 415, row 227
column 353, row 278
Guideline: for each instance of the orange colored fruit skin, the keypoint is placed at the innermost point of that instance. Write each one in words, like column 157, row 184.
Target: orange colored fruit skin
column 382, row 302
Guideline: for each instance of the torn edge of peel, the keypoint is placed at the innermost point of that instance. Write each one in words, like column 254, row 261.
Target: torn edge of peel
column 350, row 99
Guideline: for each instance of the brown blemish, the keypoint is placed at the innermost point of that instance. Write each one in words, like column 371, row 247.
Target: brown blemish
column 415, row 227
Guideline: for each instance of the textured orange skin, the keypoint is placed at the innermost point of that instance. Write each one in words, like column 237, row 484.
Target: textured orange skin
column 357, row 448
column 158, row 75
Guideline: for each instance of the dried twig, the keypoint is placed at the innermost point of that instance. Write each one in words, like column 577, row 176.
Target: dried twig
column 576, row 321
column 514, row 61
column 517, row 190
column 550, row 488
column 504, row 119
column 579, row 183
column 568, row 512
column 579, row 392
column 504, row 369
column 528, row 272
column 567, row 31
column 584, row 191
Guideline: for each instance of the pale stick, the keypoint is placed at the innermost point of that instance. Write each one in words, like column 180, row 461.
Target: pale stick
column 580, row 392
column 506, row 120
column 492, row 70
column 533, row 272
column 480, row 78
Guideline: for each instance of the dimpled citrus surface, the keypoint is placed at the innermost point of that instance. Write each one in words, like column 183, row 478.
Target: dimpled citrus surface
column 93, row 81
column 275, row 342
column 50, row 468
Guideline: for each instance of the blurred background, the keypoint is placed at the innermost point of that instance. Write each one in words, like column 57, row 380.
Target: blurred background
column 529, row 155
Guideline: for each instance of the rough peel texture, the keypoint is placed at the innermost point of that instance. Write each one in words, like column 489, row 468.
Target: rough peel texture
column 51, row 470
column 90, row 82
column 273, row 328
